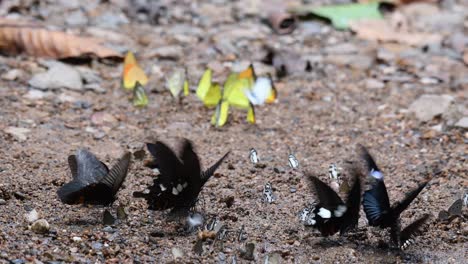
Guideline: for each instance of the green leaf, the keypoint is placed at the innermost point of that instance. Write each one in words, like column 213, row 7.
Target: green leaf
column 139, row 96
column 341, row 15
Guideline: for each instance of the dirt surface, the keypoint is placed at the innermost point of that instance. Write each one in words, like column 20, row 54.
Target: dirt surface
column 347, row 96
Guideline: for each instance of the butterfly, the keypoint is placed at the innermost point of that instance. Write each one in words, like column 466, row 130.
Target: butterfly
column 379, row 212
column 293, row 162
column 140, row 99
column 93, row 183
column 209, row 93
column 331, row 214
column 258, row 90
column 132, row 73
column 333, row 171
column 268, row 196
column 177, row 82
column 253, row 156
column 181, row 179
column 454, row 210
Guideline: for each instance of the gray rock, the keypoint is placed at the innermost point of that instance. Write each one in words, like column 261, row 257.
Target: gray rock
column 177, row 253
column 273, row 258
column 58, row 76
column 168, row 52
column 2, row 202
column 34, row 95
column 342, row 48
column 374, row 84
column 463, row 122
column 428, row 106
column 111, row 20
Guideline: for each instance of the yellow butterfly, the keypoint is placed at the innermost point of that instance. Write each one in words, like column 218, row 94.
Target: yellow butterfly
column 132, row 73
column 139, row 96
column 208, row 92
column 258, row 86
column 220, row 116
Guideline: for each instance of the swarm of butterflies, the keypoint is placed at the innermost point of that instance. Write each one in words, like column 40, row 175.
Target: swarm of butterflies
column 242, row 90
column 181, row 179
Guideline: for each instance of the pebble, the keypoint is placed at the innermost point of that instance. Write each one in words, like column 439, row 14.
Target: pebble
column 58, row 76
column 177, row 253
column 428, row 106
column 167, row 52
column 32, row 216
column 463, row 122
column 76, row 239
column 12, row 75
column 108, row 229
column 273, row 258
column 279, row 170
column 18, row 133
column 2, row 202
column 40, row 226
column 34, row 94
column 96, row 246
column 374, row 84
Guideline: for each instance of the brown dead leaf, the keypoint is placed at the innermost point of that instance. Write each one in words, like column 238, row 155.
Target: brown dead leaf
column 381, row 30
column 23, row 37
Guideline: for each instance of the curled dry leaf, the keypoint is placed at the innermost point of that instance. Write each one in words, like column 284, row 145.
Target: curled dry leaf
column 21, row 37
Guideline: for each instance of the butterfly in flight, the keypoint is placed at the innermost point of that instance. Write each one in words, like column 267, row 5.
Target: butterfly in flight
column 454, row 210
column 379, row 213
column 93, row 183
column 331, row 214
column 180, row 181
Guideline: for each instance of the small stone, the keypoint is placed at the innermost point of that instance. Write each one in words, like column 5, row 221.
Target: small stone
column 58, row 76
column 273, row 258
column 292, row 190
column 249, row 251
column 429, row 106
column 374, row 84
column 2, row 202
column 168, row 52
column 34, row 94
column 32, row 216
column 96, row 246
column 279, row 170
column 18, row 133
column 102, row 118
column 12, row 75
column 463, row 122
column 41, row 226
column 77, row 239
column 177, row 253
column 108, row 229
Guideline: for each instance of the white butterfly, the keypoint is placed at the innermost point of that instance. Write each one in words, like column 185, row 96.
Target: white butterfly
column 260, row 91
column 253, row 156
column 268, row 195
column 293, row 162
column 333, row 171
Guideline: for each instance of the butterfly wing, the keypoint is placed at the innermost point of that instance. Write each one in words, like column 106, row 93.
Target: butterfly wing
column 221, row 114
column 376, row 203
column 234, row 91
column 175, row 83
column 456, row 208
column 412, row 230
column 273, row 93
column 401, row 206
column 204, row 85
column 140, row 99
column 353, row 204
column 213, row 96
column 211, row 170
column 132, row 73
column 374, row 171
column 251, row 115
column 260, row 91
column 117, row 174
column 73, row 165
column 326, row 216
column 192, row 174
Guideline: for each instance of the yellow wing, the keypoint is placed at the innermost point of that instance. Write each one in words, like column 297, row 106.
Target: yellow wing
column 186, row 88
column 204, row 84
column 176, row 83
column 249, row 74
column 132, row 73
column 273, row 94
column 221, row 114
column 251, row 115
column 139, row 96
column 234, row 91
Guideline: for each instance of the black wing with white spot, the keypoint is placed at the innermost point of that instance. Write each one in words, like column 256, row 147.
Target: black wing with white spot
column 374, row 171
column 376, row 204
column 411, row 231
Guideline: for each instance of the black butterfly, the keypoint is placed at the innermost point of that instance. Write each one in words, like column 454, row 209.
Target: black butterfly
column 379, row 212
column 93, row 183
column 331, row 214
column 180, row 181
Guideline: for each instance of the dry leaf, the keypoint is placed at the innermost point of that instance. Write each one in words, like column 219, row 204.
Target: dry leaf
column 381, row 30
column 18, row 37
